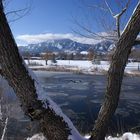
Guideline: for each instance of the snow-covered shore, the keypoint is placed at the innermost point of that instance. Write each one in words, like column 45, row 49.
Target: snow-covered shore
column 86, row 66
column 125, row 136
column 81, row 66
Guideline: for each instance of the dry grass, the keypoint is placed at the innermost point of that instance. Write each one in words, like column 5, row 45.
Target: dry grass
column 133, row 73
column 59, row 69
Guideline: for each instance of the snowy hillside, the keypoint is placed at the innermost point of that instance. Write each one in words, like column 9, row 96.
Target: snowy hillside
column 65, row 45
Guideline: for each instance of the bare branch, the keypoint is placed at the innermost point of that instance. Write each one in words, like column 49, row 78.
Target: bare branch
column 98, row 7
column 16, row 11
column 123, row 10
column 20, row 13
column 6, row 3
column 118, row 16
column 110, row 36
column 4, row 130
column 109, row 8
column 105, row 8
column 16, row 14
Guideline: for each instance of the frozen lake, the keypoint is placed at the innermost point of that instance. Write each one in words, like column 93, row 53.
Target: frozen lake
column 80, row 97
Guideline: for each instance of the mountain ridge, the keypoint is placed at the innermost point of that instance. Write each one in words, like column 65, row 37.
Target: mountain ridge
column 65, row 45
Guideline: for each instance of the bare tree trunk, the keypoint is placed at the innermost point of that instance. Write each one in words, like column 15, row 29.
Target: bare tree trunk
column 115, row 75
column 52, row 125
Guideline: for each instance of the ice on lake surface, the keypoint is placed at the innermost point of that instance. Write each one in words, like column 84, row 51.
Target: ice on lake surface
column 80, row 97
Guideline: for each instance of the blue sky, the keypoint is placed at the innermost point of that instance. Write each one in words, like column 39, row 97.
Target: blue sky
column 56, row 17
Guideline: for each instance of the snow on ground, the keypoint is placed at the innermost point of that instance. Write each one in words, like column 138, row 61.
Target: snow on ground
column 37, row 137
column 125, row 136
column 81, row 65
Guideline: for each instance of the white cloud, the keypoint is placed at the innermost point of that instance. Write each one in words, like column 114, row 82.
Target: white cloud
column 50, row 36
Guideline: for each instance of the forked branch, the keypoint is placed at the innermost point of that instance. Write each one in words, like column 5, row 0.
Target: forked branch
column 118, row 15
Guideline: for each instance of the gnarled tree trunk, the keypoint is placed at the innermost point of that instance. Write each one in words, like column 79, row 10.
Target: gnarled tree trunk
column 115, row 75
column 52, row 125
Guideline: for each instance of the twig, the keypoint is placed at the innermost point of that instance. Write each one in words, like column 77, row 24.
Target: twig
column 109, row 8
column 4, row 130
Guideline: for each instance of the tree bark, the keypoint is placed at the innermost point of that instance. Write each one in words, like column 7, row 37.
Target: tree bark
column 52, row 125
column 115, row 75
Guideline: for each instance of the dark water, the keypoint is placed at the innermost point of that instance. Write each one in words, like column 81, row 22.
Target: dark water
column 19, row 127
column 80, row 97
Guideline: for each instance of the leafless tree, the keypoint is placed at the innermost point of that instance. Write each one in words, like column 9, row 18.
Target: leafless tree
column 113, row 26
column 53, row 123
column 90, row 54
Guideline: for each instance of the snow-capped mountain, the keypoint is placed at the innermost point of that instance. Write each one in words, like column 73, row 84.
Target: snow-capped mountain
column 65, row 45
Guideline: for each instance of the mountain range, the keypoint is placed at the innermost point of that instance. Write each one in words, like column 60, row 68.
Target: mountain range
column 66, row 45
